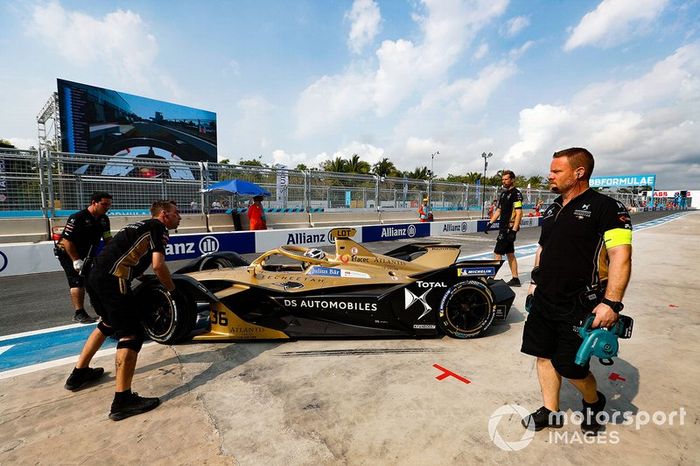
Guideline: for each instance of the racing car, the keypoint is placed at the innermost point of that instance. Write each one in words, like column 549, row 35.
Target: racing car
column 291, row 292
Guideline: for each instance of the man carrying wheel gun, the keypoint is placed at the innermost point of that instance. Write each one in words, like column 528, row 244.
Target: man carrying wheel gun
column 78, row 245
column 582, row 266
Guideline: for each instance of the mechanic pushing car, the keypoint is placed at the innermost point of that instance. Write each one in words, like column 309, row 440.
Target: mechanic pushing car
column 77, row 246
column 510, row 211
column 127, row 256
column 582, row 266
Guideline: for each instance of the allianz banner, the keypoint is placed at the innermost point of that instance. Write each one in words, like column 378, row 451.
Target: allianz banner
column 392, row 232
column 191, row 246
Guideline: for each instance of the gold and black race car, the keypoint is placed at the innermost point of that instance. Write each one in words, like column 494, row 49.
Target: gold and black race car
column 416, row 290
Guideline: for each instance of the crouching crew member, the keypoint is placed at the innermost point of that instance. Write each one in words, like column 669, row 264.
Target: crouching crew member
column 582, row 266
column 127, row 256
column 78, row 244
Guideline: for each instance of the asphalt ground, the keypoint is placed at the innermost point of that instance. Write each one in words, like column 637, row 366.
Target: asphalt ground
column 38, row 301
column 404, row 401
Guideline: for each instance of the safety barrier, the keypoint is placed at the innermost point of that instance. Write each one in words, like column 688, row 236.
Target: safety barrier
column 28, row 258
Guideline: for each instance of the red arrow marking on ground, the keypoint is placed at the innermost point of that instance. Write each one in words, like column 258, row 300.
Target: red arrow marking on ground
column 447, row 373
column 615, row 376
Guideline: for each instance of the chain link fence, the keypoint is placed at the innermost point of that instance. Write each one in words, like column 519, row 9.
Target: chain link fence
column 55, row 184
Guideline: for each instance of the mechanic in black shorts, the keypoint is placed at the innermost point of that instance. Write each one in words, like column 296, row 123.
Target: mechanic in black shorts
column 127, row 256
column 582, row 266
column 510, row 211
column 78, row 244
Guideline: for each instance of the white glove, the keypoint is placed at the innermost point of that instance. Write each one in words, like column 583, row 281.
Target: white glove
column 78, row 265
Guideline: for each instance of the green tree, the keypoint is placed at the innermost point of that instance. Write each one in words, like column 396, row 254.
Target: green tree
column 418, row 173
column 336, row 165
column 252, row 162
column 301, row 167
column 355, row 165
column 385, row 168
column 5, row 144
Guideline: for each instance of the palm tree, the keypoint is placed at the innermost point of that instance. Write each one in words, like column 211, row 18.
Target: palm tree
column 355, row 165
column 418, row 173
column 384, row 168
column 336, row 165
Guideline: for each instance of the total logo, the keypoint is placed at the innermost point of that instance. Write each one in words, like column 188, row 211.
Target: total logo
column 411, row 298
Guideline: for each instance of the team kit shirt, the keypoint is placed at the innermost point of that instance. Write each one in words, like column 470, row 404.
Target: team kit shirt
column 129, row 253
column 508, row 201
column 575, row 239
column 85, row 231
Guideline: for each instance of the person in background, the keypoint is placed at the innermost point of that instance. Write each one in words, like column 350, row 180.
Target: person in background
column 78, row 244
column 256, row 214
column 424, row 213
column 510, row 212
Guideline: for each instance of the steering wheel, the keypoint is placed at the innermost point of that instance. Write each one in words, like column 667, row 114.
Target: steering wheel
column 297, row 253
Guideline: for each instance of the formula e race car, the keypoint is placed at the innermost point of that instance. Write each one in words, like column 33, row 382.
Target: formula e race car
column 416, row 290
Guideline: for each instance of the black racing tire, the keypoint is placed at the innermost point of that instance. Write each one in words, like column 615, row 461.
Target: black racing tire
column 168, row 318
column 466, row 310
column 214, row 263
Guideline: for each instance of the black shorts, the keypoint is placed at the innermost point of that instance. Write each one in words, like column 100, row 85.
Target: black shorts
column 551, row 332
column 75, row 280
column 116, row 304
column 503, row 245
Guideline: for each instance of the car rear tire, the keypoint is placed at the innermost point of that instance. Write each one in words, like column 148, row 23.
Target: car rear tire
column 214, row 263
column 168, row 317
column 466, row 310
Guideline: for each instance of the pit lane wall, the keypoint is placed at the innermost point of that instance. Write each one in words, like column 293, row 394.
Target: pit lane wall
column 29, row 258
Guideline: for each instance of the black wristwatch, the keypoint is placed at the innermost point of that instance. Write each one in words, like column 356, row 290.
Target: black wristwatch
column 616, row 306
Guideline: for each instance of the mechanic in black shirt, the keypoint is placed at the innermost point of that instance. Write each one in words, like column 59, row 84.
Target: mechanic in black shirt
column 78, row 243
column 584, row 254
column 127, row 256
column 510, row 211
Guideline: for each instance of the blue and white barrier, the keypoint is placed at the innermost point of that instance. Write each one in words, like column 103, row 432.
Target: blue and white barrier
column 27, row 258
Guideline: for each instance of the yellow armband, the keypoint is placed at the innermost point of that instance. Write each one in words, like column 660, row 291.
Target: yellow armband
column 617, row 237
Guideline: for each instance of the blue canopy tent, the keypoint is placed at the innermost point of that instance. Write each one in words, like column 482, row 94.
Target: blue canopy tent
column 237, row 188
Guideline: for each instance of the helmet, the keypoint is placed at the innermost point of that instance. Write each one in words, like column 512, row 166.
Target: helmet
column 315, row 254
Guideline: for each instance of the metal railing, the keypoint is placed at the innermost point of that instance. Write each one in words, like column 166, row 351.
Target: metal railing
column 54, row 184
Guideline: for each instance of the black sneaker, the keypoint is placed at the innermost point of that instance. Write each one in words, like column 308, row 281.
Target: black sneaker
column 81, row 377
column 542, row 418
column 134, row 405
column 590, row 425
column 83, row 317
column 513, row 282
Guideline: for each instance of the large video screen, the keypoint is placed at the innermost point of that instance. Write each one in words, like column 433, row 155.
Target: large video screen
column 129, row 127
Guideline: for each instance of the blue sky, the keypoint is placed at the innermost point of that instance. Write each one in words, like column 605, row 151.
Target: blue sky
column 304, row 81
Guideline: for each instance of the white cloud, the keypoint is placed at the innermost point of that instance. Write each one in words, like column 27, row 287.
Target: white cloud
column 404, row 69
column 614, row 22
column 515, row 25
column 481, row 51
column 120, row 41
column 366, row 20
column 23, row 143
column 645, row 124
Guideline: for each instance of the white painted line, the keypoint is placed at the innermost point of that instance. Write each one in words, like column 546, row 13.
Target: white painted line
column 58, row 362
column 39, row 332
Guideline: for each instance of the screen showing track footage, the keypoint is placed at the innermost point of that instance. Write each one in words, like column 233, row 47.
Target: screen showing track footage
column 103, row 121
